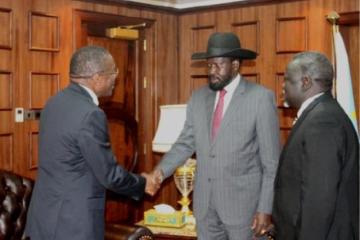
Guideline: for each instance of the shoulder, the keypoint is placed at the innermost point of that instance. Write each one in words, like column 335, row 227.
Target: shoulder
column 202, row 91
column 257, row 89
column 327, row 116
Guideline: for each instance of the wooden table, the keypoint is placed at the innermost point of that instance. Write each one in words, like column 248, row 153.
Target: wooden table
column 168, row 233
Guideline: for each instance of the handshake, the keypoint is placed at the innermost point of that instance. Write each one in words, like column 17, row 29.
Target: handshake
column 153, row 181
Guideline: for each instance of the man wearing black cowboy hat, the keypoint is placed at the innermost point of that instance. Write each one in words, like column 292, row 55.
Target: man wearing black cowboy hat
column 232, row 126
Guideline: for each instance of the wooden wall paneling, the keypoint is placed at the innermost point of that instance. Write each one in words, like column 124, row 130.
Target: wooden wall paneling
column 167, row 84
column 6, row 57
column 198, row 81
column 33, row 150
column 41, row 59
column 185, row 50
column 291, row 34
column 292, row 9
column 7, row 93
column 6, row 151
column 61, row 59
column 205, row 19
column 320, row 36
column 6, row 123
column 248, row 33
column 129, row 11
column 223, row 20
column 146, row 103
column 200, row 36
column 265, row 62
column 342, row 6
column 6, row 34
column 6, row 90
column 42, row 85
column 44, row 32
column 245, row 14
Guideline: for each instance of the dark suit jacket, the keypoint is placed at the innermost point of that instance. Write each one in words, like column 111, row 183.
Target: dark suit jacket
column 76, row 164
column 316, row 189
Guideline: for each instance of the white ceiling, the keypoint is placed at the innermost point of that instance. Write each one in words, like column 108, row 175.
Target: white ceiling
column 183, row 4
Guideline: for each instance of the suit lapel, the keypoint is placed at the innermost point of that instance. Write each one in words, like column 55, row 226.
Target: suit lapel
column 232, row 108
column 210, row 100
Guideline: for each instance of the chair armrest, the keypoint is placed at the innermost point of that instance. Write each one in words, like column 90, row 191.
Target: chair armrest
column 124, row 232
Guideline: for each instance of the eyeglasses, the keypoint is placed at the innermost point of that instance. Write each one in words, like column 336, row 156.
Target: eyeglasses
column 103, row 72
column 115, row 72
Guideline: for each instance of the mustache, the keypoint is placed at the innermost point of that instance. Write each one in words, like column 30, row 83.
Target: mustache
column 213, row 77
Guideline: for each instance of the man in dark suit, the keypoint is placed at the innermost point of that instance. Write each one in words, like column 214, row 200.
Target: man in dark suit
column 76, row 163
column 317, row 184
column 232, row 125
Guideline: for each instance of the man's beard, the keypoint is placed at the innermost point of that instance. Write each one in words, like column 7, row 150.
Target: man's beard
column 219, row 85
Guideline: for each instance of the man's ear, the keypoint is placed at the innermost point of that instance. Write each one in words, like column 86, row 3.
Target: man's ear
column 306, row 83
column 94, row 82
column 235, row 65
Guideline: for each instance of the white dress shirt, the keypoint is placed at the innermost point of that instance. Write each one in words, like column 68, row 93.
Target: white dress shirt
column 230, row 89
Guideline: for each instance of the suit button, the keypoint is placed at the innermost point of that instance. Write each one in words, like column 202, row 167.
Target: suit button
column 212, row 155
column 209, row 179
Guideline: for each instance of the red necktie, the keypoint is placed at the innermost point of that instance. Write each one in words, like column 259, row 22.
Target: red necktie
column 218, row 114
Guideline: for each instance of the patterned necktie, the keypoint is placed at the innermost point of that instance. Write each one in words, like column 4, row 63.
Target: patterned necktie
column 218, row 114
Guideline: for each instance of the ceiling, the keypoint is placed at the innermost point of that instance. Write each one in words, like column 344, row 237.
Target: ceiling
column 184, row 4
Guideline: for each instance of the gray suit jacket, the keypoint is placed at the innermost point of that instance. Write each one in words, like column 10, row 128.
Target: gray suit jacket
column 238, row 168
column 76, row 164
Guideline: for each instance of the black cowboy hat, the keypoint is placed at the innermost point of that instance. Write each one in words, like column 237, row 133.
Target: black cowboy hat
column 224, row 45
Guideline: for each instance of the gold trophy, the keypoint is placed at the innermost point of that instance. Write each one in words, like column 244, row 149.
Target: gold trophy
column 184, row 181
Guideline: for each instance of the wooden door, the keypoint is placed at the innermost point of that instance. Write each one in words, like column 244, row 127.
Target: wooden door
column 120, row 109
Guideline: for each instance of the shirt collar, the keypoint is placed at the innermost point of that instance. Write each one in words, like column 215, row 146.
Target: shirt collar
column 230, row 88
column 92, row 94
column 307, row 102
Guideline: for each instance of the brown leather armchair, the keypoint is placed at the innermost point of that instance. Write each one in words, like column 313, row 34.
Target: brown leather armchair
column 15, row 194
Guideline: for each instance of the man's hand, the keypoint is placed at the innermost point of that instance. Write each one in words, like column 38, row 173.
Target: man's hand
column 153, row 181
column 261, row 224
